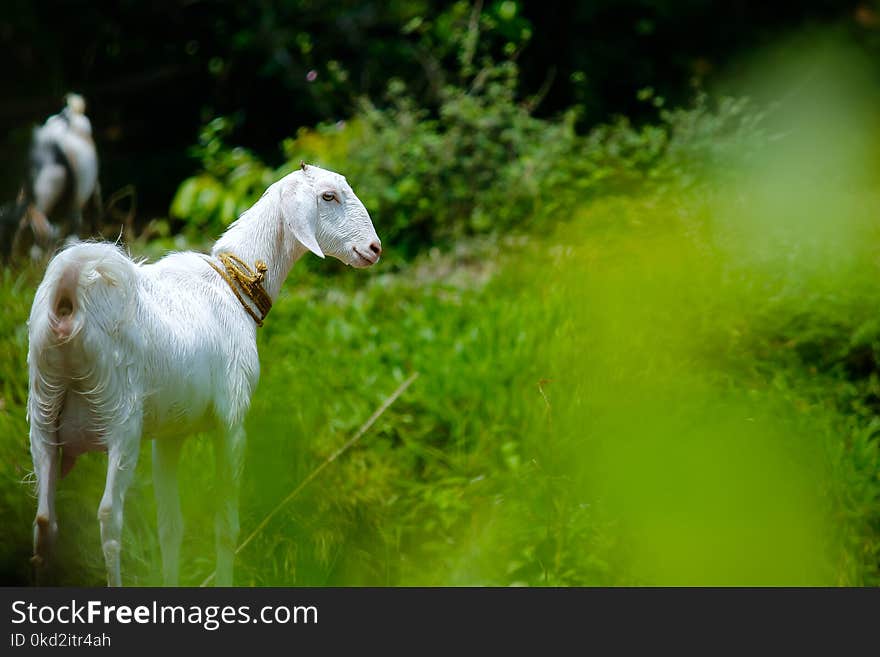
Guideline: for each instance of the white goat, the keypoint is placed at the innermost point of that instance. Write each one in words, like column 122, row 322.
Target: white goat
column 120, row 350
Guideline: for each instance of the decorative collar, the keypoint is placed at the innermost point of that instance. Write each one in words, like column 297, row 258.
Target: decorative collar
column 244, row 280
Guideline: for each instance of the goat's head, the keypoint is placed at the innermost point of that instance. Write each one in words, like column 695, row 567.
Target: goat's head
column 322, row 213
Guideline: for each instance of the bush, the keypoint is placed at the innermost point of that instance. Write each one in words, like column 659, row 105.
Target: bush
column 230, row 181
column 469, row 157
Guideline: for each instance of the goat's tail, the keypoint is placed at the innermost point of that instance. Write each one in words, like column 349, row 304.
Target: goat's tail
column 62, row 311
column 88, row 282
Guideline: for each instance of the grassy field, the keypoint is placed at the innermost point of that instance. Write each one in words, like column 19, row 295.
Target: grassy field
column 674, row 383
column 654, row 393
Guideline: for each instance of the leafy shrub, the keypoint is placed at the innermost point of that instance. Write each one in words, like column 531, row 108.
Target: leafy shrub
column 468, row 156
column 231, row 180
column 483, row 165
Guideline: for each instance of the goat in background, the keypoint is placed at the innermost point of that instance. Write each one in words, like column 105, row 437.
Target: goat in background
column 62, row 195
column 120, row 350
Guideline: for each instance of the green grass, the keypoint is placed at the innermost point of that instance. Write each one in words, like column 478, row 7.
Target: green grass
column 648, row 396
column 680, row 385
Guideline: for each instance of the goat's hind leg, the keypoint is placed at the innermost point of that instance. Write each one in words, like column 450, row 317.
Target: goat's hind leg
column 46, row 457
column 123, row 445
column 229, row 451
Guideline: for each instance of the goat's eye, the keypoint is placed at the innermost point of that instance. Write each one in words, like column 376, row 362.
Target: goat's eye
column 328, row 196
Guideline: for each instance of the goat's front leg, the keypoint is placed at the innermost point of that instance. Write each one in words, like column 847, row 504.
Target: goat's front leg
column 123, row 443
column 166, row 456
column 229, row 455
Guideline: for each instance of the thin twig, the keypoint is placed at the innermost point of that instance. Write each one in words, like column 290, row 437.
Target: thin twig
column 532, row 103
column 314, row 473
column 125, row 219
column 473, row 35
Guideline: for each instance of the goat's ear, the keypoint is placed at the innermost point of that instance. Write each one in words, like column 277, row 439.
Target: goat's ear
column 299, row 208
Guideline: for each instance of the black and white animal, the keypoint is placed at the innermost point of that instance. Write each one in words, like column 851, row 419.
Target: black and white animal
column 62, row 191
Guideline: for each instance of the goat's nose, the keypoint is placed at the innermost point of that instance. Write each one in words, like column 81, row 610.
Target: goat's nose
column 376, row 247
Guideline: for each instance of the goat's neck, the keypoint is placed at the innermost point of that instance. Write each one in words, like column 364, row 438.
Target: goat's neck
column 259, row 235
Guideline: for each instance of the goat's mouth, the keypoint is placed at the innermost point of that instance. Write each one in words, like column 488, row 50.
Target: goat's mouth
column 363, row 260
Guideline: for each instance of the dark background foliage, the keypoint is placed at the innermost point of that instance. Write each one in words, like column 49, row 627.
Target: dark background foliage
column 153, row 72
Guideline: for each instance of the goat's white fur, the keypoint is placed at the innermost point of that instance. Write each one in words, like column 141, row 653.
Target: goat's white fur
column 119, row 350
